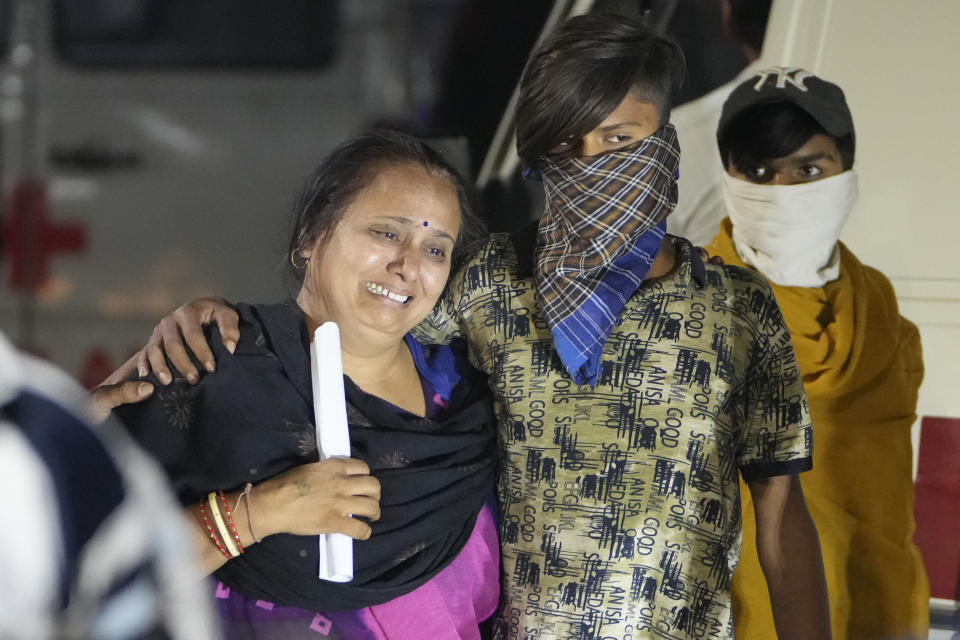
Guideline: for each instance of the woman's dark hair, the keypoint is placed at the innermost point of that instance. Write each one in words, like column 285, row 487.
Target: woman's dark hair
column 773, row 130
column 351, row 168
column 583, row 70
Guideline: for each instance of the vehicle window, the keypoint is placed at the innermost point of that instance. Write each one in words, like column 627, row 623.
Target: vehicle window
column 205, row 33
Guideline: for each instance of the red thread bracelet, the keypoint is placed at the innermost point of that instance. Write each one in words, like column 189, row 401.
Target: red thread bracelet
column 213, row 536
column 233, row 527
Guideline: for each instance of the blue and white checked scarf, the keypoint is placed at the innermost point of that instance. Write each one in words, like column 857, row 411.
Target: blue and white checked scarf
column 603, row 226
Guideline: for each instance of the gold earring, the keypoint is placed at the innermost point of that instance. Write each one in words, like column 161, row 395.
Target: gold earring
column 293, row 261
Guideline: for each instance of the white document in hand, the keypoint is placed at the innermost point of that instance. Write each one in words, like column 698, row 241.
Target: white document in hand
column 333, row 437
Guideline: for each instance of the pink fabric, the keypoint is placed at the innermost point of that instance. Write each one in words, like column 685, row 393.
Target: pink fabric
column 448, row 607
column 454, row 602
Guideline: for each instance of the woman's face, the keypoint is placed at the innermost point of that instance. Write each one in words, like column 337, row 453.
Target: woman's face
column 385, row 264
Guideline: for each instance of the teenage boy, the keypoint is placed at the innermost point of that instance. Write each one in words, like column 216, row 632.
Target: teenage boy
column 786, row 141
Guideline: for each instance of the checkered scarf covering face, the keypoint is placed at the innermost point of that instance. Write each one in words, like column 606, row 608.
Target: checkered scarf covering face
column 598, row 210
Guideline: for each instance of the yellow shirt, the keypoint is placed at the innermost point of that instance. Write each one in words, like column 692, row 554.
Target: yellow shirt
column 862, row 367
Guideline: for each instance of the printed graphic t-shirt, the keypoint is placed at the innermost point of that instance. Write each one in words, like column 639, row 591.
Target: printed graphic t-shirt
column 620, row 507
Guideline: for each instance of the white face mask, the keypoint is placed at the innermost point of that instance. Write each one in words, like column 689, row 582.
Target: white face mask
column 789, row 232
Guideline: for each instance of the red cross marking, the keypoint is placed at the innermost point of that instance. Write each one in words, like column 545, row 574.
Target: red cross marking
column 31, row 237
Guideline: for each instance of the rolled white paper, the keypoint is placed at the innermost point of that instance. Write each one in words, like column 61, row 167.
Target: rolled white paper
column 333, row 438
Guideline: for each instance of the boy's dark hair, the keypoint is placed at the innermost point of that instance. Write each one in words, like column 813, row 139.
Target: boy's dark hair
column 773, row 130
column 583, row 70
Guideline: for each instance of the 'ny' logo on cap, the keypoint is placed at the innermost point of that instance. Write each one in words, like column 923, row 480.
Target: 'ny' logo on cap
column 792, row 75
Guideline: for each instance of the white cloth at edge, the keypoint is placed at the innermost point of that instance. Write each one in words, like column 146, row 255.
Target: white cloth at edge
column 112, row 596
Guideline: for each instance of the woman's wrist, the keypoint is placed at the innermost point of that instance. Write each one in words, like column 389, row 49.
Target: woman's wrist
column 243, row 511
column 229, row 522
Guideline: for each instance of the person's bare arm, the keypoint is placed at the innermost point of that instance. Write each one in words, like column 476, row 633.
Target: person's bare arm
column 789, row 551
column 173, row 336
column 314, row 498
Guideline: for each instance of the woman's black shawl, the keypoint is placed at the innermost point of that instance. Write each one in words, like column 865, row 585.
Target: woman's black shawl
column 253, row 418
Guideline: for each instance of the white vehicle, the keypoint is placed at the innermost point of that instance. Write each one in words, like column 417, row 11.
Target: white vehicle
column 152, row 150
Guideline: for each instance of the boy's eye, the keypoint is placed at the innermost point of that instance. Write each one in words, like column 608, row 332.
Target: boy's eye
column 810, row 171
column 619, row 138
column 758, row 173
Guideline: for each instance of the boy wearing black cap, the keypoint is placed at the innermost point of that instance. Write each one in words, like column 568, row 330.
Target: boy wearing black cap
column 788, row 127
column 786, row 140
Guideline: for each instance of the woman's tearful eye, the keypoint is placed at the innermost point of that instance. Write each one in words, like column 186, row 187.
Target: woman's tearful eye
column 438, row 253
column 385, row 234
